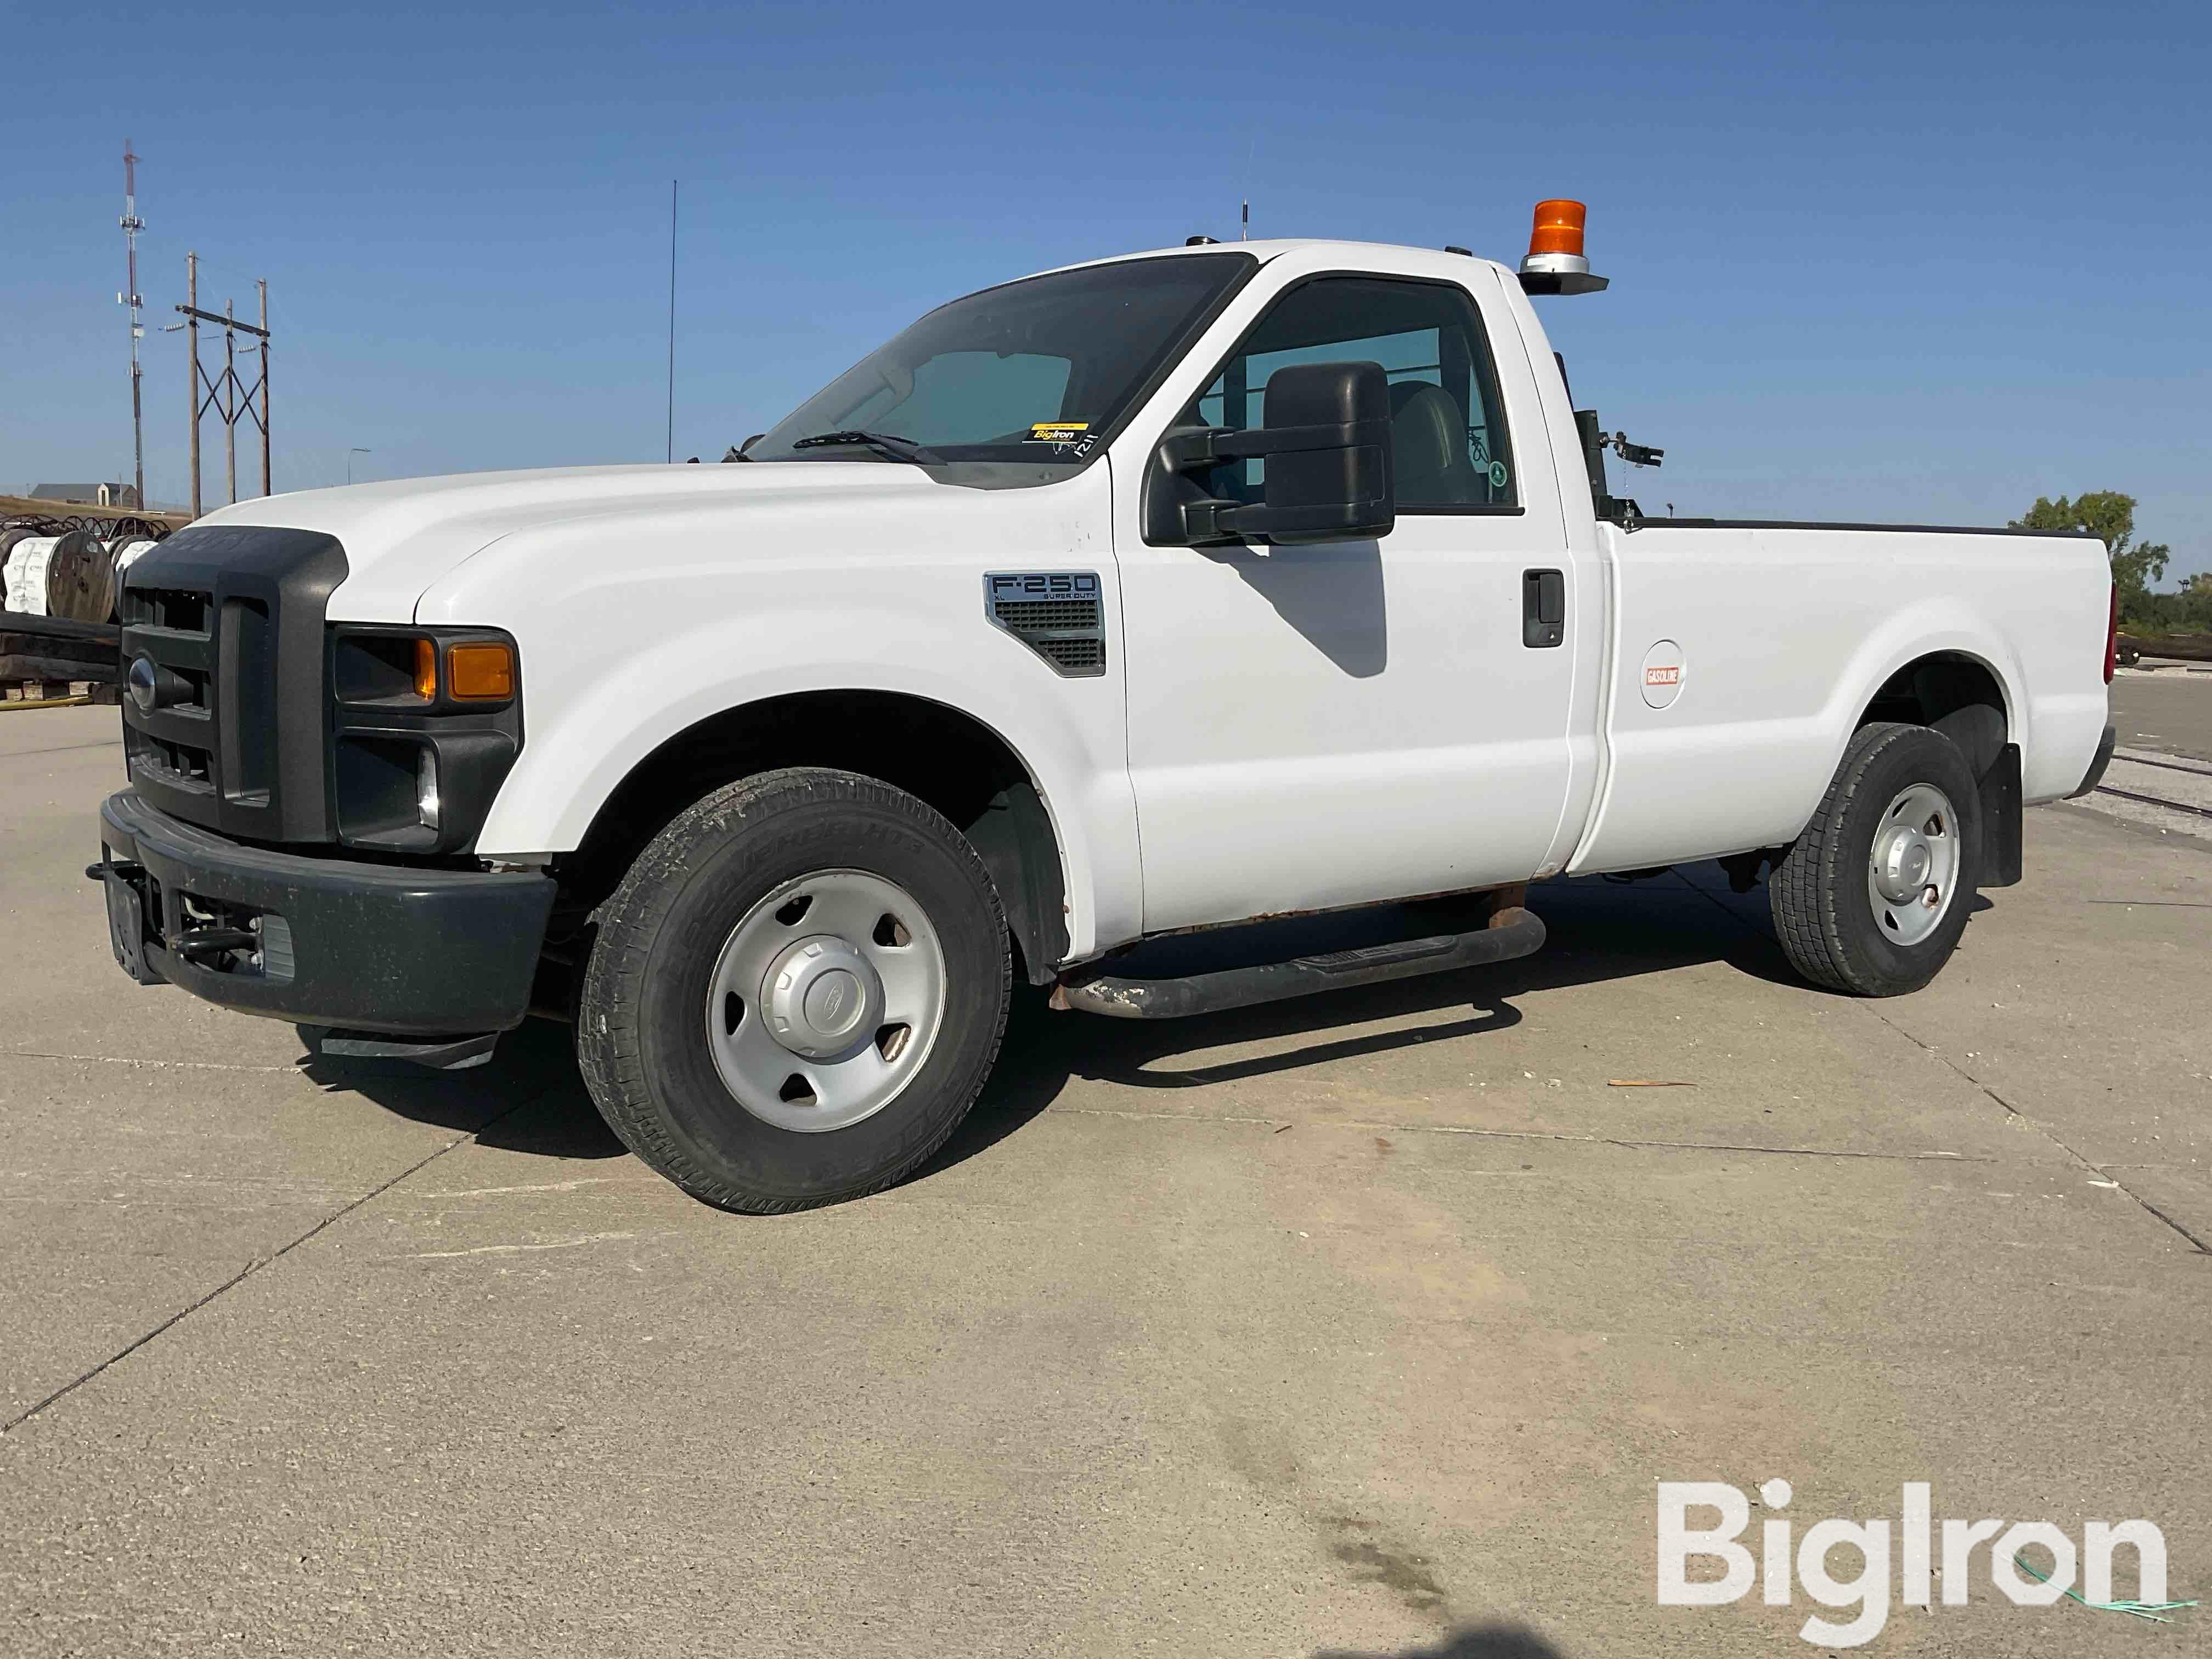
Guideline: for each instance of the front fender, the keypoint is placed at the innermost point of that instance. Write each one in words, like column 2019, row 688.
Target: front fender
column 587, row 727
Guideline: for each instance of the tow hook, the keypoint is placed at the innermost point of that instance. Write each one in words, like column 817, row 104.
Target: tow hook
column 190, row 946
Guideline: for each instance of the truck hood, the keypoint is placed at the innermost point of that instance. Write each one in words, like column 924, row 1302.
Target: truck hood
column 402, row 537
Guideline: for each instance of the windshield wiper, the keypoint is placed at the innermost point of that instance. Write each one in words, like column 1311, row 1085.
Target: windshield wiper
column 883, row 443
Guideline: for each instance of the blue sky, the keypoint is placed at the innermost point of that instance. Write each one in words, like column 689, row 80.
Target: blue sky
column 1918, row 261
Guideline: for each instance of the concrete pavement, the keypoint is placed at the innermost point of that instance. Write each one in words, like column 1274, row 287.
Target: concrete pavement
column 1364, row 1325
column 2168, row 708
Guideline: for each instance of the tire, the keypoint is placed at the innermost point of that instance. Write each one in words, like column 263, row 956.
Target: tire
column 696, row 913
column 1838, row 923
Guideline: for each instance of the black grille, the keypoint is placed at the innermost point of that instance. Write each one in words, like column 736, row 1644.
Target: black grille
column 1024, row 614
column 180, row 765
column 1059, row 615
column 232, row 617
column 1074, row 656
column 175, row 610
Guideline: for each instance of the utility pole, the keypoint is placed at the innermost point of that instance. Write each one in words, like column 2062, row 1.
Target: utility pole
column 262, row 284
column 1248, row 221
column 229, row 397
column 132, row 224
column 229, row 427
column 192, row 383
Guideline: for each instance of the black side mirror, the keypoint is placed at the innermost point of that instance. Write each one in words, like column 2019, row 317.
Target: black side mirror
column 1328, row 446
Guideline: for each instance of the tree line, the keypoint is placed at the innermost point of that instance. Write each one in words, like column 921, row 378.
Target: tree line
column 2110, row 516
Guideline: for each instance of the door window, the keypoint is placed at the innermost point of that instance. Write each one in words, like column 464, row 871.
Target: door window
column 1449, row 448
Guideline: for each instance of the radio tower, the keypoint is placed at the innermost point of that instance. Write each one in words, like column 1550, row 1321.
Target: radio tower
column 132, row 224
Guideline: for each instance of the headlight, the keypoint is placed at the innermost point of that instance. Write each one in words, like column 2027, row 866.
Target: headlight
column 425, row 725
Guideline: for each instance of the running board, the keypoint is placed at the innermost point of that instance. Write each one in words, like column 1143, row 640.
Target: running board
column 1511, row 932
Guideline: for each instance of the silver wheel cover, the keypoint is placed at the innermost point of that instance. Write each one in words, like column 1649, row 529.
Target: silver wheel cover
column 826, row 1001
column 1912, row 873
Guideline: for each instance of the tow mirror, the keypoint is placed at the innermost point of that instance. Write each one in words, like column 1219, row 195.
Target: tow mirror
column 1327, row 444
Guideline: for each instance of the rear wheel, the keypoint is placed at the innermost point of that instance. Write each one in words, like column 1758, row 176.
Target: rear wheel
column 1873, row 896
column 796, row 992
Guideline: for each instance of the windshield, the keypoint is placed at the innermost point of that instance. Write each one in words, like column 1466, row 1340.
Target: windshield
column 1038, row 372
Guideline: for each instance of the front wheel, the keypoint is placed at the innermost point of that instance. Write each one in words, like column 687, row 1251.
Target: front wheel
column 1872, row 898
column 796, row 992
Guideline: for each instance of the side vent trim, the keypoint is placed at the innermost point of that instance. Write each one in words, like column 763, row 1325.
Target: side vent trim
column 1058, row 614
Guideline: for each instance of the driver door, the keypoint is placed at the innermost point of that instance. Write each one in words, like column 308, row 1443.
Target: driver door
column 1331, row 725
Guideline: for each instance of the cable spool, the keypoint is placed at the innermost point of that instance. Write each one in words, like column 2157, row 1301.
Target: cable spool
column 80, row 579
column 128, row 551
column 27, row 574
column 11, row 538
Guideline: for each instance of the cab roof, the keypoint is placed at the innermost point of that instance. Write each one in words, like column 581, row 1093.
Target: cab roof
column 1271, row 248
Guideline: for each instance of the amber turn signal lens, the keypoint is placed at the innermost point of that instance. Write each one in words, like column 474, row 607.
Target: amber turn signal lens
column 1559, row 228
column 480, row 668
column 426, row 670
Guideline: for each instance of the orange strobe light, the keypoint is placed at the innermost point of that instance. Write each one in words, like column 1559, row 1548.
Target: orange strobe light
column 1555, row 263
column 1555, row 241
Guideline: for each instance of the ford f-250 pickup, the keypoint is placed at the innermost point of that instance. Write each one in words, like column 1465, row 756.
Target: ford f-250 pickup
column 1129, row 602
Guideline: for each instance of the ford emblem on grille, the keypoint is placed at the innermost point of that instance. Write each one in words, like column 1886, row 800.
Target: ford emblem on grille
column 145, row 683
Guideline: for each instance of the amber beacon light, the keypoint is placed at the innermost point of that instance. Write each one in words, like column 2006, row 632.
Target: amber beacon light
column 1556, row 263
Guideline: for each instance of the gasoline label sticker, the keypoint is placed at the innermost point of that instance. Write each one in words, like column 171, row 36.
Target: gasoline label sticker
column 1663, row 674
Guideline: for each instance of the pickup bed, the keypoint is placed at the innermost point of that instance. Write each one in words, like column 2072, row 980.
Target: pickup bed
column 1146, row 597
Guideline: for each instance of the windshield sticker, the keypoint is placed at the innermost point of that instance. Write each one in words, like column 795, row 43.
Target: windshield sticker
column 1497, row 475
column 1067, row 437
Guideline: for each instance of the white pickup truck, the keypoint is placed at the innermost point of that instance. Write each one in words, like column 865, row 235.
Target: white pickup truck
column 1145, row 597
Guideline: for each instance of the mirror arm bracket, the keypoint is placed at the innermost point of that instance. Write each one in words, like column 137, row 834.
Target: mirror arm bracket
column 1209, row 519
column 1195, row 449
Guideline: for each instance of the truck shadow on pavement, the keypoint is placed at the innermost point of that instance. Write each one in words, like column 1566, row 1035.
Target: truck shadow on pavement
column 1483, row 1641
column 531, row 1098
column 1600, row 931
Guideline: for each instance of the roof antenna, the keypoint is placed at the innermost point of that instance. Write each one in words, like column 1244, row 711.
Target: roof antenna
column 671, row 320
column 1251, row 154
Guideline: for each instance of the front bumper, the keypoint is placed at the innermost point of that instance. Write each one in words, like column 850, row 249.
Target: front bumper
column 318, row 941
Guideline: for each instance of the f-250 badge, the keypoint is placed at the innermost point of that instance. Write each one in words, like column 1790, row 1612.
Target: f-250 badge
column 1058, row 614
column 1043, row 584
